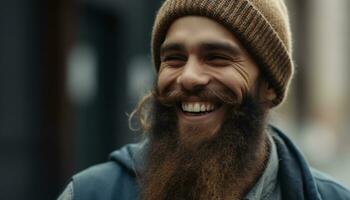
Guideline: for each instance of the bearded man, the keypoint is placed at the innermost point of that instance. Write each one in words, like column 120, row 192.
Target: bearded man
column 221, row 66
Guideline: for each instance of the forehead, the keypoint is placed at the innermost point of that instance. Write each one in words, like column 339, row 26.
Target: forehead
column 196, row 29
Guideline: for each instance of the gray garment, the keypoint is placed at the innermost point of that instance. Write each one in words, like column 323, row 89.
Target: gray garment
column 67, row 194
column 267, row 187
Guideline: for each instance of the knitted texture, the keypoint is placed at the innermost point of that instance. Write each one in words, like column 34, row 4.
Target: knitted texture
column 262, row 26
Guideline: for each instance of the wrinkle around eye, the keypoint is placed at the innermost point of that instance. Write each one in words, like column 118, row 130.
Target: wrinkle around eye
column 174, row 63
column 173, row 60
column 218, row 60
column 245, row 75
column 171, row 65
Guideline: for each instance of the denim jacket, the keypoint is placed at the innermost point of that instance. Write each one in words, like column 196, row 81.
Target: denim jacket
column 117, row 178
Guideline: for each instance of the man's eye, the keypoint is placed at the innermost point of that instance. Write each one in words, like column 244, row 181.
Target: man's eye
column 218, row 60
column 174, row 58
column 217, row 57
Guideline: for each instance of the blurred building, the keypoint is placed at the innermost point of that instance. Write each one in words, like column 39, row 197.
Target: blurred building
column 70, row 71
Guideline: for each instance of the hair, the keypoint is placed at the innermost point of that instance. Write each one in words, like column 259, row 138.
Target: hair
column 141, row 114
column 222, row 167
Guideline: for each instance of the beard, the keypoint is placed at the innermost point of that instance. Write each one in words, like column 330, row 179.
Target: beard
column 223, row 167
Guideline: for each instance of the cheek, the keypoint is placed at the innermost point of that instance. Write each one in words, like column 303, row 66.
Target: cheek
column 165, row 78
column 231, row 79
column 237, row 85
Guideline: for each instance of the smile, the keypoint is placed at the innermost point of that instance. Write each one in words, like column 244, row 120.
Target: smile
column 200, row 116
column 195, row 110
column 198, row 107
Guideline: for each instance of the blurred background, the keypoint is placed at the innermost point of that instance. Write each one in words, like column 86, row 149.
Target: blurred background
column 70, row 71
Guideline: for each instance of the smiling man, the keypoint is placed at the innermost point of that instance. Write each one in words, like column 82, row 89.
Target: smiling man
column 221, row 66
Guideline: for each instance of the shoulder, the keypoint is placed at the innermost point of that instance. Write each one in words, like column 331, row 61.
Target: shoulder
column 101, row 173
column 104, row 181
column 67, row 193
column 317, row 184
column 330, row 188
column 113, row 179
column 123, row 164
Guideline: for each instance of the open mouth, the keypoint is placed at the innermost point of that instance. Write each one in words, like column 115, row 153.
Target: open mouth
column 200, row 115
column 198, row 108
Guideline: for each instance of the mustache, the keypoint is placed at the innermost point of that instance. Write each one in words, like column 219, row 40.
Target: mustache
column 212, row 94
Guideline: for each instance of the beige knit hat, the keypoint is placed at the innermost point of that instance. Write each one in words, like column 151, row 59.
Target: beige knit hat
column 261, row 25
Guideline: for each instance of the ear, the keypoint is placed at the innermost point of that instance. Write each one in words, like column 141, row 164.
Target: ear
column 267, row 94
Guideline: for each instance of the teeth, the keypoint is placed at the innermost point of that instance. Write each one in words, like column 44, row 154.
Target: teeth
column 197, row 107
column 203, row 107
column 208, row 107
column 190, row 107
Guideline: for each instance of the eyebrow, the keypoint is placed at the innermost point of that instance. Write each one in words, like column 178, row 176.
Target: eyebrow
column 221, row 46
column 171, row 47
column 205, row 46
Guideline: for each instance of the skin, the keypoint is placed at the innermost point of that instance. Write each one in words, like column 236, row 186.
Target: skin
column 199, row 52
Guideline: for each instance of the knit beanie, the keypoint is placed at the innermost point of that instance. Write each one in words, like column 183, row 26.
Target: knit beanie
column 262, row 26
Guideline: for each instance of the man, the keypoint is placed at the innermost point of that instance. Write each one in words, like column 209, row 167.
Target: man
column 221, row 66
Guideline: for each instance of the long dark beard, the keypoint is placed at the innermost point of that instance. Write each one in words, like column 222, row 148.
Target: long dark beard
column 224, row 167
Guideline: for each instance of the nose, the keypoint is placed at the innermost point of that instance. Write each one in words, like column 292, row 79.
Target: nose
column 193, row 76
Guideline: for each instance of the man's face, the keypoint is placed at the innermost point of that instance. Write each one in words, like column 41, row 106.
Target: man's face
column 200, row 54
column 207, row 118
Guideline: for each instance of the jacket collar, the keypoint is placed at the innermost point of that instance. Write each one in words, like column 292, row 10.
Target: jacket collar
column 295, row 178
